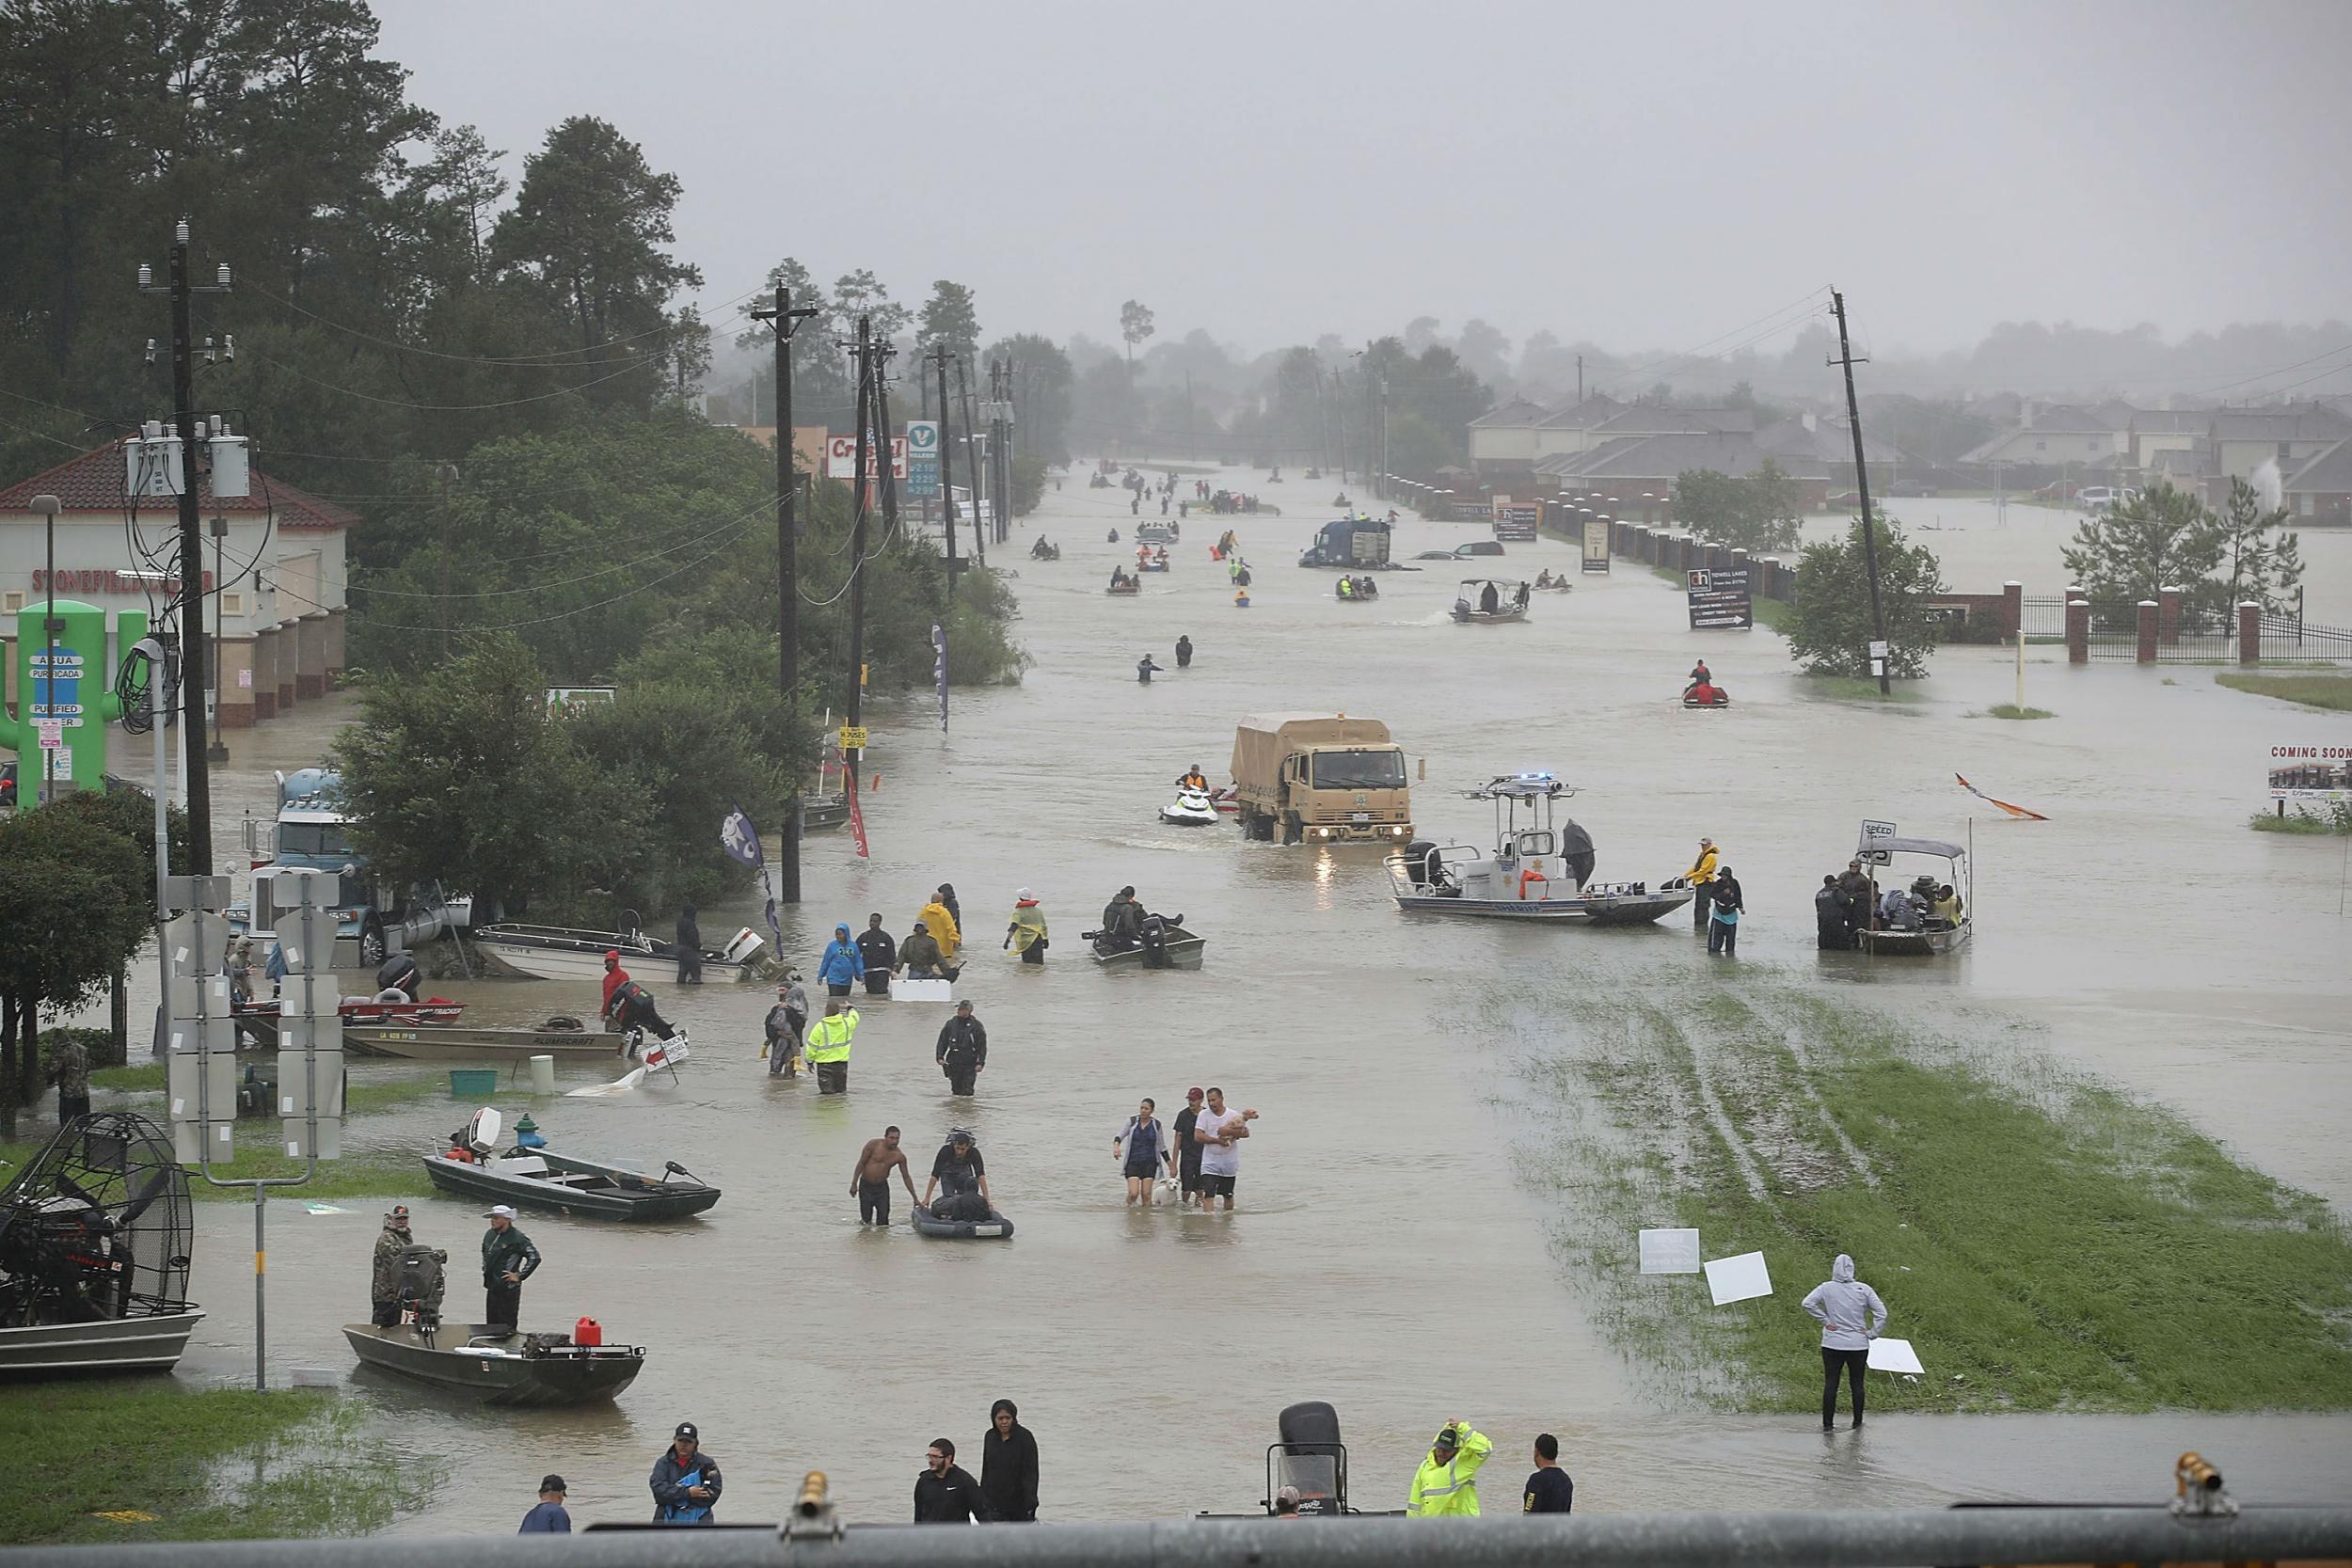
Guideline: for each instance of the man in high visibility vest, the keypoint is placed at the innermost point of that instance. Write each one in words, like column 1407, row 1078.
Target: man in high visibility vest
column 827, row 1047
column 1446, row 1485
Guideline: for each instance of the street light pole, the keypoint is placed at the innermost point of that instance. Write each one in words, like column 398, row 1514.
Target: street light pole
column 219, row 750
column 46, row 685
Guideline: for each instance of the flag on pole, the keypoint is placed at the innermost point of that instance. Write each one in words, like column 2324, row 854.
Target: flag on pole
column 740, row 840
column 939, row 670
column 2013, row 811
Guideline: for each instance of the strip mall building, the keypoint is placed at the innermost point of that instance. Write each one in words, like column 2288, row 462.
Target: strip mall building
column 278, row 596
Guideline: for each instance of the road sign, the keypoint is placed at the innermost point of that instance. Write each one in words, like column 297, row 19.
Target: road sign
column 1718, row 599
column 854, row 738
column 922, row 443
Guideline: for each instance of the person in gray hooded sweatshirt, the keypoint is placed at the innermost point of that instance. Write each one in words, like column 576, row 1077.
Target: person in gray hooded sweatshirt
column 1850, row 1315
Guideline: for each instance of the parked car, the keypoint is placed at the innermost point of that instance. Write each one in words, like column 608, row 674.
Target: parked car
column 8, row 786
column 2099, row 497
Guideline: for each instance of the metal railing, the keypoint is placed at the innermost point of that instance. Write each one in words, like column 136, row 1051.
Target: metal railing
column 2291, row 639
column 1987, row 1536
column 2044, row 615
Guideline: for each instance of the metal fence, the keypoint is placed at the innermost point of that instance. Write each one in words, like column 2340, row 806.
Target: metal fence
column 1987, row 1536
column 2043, row 615
column 2290, row 639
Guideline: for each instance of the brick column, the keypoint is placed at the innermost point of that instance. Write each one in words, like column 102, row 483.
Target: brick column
column 310, row 639
column 266, row 674
column 2147, row 648
column 2169, row 616
column 235, row 657
column 2249, row 632
column 2078, row 631
column 2012, row 607
column 288, row 662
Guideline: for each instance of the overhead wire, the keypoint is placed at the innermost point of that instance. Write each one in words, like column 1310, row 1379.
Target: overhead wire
column 445, row 407
column 550, row 359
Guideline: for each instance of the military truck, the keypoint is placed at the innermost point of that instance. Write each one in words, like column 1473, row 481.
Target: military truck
column 1321, row 779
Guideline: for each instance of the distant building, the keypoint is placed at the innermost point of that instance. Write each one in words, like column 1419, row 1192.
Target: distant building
column 2321, row 489
column 2057, row 436
column 1503, row 442
column 2245, row 438
column 279, row 603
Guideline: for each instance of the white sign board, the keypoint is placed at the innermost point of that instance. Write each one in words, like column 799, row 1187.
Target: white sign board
column 1895, row 1355
column 1669, row 1252
column 841, row 457
column 1873, row 832
column 51, row 732
column 1739, row 1278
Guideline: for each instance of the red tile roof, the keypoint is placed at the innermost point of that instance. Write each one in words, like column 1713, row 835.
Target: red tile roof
column 96, row 482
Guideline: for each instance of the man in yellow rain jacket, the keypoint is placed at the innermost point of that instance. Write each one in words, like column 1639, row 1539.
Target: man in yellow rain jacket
column 1702, row 875
column 941, row 924
column 1446, row 1485
column 827, row 1046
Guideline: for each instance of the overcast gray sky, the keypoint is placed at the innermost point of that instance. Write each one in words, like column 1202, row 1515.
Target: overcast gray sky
column 1642, row 175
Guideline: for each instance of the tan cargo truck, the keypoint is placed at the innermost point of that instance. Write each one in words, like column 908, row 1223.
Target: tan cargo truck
column 1321, row 779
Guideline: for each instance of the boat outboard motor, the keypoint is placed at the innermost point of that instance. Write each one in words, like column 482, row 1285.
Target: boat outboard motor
column 1153, row 935
column 1576, row 852
column 422, row 1284
column 400, row 973
column 1426, row 867
column 1311, row 1458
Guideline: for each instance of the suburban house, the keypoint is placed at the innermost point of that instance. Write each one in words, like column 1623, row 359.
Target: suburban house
column 2320, row 490
column 2245, row 438
column 2058, row 435
column 1503, row 442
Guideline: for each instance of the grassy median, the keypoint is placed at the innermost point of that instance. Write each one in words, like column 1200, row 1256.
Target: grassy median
column 2045, row 1242
column 175, row 1463
column 2332, row 692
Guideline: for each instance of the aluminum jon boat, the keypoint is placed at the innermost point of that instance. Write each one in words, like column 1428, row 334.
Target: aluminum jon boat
column 1532, row 872
column 470, row 1042
column 151, row 1343
column 498, row 1365
column 563, row 953
column 541, row 1178
column 1182, row 950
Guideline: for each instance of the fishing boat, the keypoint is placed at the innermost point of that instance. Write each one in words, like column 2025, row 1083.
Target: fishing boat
column 1471, row 599
column 1533, row 871
column 1931, row 937
column 541, row 1178
column 465, row 1042
column 1174, row 948
column 565, row 953
column 257, row 1021
column 498, row 1364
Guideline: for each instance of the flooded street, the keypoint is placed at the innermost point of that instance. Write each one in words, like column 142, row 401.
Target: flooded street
column 1383, row 1256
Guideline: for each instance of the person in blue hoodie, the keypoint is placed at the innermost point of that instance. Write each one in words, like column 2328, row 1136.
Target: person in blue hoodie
column 841, row 966
column 1850, row 1315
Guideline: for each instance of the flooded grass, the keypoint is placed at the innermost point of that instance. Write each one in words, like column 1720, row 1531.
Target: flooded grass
column 1856, row 688
column 2011, row 710
column 2045, row 1242
column 183, row 1464
column 2336, row 820
column 2321, row 692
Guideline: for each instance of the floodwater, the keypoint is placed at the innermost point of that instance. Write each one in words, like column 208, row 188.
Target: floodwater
column 1382, row 1257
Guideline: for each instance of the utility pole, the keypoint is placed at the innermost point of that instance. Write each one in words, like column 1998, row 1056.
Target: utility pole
column 192, row 662
column 855, row 708
column 1371, row 471
column 939, row 357
column 884, row 463
column 782, row 319
column 1861, row 487
column 1000, row 450
column 219, row 750
column 1580, row 378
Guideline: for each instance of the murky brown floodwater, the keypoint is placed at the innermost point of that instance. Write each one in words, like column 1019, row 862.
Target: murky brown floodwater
column 1383, row 1256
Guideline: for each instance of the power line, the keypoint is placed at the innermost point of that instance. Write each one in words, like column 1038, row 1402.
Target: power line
column 444, row 407
column 550, row 359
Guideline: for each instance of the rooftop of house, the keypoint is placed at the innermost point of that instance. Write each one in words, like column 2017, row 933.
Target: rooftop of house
column 1513, row 414
column 2329, row 473
column 99, row 481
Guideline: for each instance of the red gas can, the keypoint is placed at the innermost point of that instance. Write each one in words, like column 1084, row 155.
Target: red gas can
column 588, row 1332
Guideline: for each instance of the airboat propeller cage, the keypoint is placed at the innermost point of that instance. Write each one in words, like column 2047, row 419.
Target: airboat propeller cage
column 97, row 1226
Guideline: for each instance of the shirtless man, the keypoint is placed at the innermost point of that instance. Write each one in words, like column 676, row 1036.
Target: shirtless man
column 871, row 1182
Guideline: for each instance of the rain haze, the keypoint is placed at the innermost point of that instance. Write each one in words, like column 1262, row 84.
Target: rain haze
column 1645, row 178
column 1151, row 548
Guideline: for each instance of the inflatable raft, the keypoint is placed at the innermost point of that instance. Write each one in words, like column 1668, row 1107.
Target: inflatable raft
column 994, row 1227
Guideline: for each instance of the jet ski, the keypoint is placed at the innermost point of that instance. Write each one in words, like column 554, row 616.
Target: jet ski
column 1191, row 808
column 1707, row 694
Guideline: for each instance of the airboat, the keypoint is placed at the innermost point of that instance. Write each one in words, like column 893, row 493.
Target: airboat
column 95, row 1238
column 1533, row 872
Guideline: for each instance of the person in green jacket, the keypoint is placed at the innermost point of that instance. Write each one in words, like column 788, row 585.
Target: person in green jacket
column 827, row 1046
column 508, row 1259
column 1446, row 1485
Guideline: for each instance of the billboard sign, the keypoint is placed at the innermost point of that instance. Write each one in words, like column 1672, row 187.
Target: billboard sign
column 2310, row 772
column 841, row 457
column 1516, row 520
column 1719, row 599
column 922, row 459
column 1596, row 543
